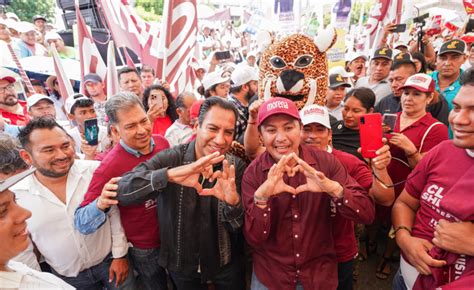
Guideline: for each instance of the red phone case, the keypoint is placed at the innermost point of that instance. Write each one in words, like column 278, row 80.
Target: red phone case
column 370, row 129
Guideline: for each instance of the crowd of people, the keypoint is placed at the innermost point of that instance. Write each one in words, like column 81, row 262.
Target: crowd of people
column 217, row 188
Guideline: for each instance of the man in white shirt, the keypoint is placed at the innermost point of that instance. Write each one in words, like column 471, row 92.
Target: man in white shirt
column 14, row 240
column 52, row 194
column 180, row 131
column 379, row 70
column 79, row 109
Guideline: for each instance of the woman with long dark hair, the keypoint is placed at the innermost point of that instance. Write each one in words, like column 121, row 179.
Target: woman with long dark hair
column 160, row 107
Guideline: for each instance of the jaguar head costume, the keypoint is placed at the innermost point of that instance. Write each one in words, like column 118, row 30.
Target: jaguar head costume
column 296, row 68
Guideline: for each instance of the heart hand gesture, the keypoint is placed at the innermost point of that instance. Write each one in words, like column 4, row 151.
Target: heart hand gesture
column 188, row 175
column 274, row 184
column 225, row 188
column 316, row 181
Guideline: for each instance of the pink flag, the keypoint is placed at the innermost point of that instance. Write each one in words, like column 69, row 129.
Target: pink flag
column 90, row 58
column 112, row 78
column 179, row 37
column 131, row 31
column 128, row 59
column 65, row 87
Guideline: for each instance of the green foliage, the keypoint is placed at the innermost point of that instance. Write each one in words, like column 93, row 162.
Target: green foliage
column 149, row 10
column 26, row 9
column 355, row 11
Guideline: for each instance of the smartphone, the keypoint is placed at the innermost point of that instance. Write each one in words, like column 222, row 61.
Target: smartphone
column 389, row 120
column 157, row 100
column 399, row 28
column 370, row 129
column 223, row 55
column 91, row 132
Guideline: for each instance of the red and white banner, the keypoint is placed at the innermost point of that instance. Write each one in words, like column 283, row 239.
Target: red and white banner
column 129, row 30
column 179, row 38
column 65, row 87
column 112, row 77
column 89, row 56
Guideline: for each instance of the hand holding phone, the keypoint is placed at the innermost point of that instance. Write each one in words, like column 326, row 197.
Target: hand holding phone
column 370, row 129
column 388, row 122
column 91, row 131
column 399, row 28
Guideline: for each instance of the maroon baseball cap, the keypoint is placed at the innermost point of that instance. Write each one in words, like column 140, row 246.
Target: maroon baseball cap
column 8, row 78
column 275, row 106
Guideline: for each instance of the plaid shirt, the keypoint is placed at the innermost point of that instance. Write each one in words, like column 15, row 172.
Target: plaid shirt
column 242, row 119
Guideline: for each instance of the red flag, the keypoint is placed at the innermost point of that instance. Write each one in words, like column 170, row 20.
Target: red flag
column 468, row 6
column 179, row 37
column 65, row 87
column 376, row 18
column 90, row 58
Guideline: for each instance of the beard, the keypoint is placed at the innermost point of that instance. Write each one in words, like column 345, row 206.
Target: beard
column 10, row 100
column 52, row 173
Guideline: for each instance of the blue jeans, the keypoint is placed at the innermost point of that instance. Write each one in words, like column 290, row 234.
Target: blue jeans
column 145, row 262
column 257, row 285
column 97, row 278
column 398, row 282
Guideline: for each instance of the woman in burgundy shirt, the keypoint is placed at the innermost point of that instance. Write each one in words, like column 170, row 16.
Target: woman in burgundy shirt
column 160, row 107
column 415, row 133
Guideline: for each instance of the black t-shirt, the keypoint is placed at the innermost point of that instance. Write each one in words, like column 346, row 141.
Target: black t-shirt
column 389, row 104
column 346, row 139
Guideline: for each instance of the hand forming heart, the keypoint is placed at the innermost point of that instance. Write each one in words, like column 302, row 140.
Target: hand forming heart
column 316, row 181
column 225, row 188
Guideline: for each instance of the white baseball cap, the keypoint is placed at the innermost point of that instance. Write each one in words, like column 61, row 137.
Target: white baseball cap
column 24, row 27
column 52, row 35
column 213, row 78
column 242, row 75
column 351, row 56
column 421, row 82
column 400, row 43
column 339, row 70
column 315, row 114
column 71, row 101
column 34, row 99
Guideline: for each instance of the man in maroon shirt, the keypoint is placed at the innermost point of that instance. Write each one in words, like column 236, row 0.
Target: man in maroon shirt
column 317, row 134
column 12, row 110
column 287, row 193
column 140, row 222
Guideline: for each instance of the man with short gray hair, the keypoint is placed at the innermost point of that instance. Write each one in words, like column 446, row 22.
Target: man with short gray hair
column 128, row 120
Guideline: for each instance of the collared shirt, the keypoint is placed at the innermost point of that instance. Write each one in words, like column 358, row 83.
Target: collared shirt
column 178, row 133
column 140, row 221
column 397, row 169
column 23, row 277
column 134, row 152
column 336, row 112
column 451, row 91
column 241, row 124
column 292, row 237
column 51, row 226
column 14, row 118
column 381, row 88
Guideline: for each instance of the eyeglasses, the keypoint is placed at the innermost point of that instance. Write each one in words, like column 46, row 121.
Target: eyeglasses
column 7, row 88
